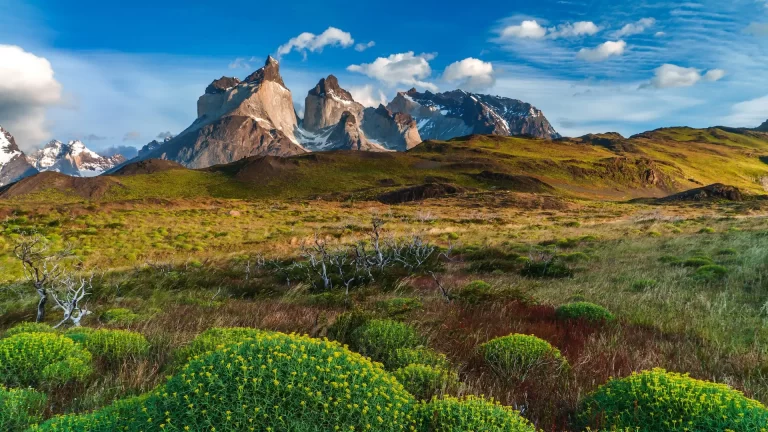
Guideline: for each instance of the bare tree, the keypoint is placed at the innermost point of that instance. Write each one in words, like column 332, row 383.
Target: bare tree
column 68, row 295
column 41, row 265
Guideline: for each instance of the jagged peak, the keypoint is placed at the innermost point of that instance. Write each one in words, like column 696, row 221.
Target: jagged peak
column 330, row 86
column 270, row 72
column 221, row 85
column 763, row 127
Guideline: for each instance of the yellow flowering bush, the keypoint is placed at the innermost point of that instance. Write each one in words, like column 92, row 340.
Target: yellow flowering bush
column 471, row 413
column 116, row 344
column 119, row 316
column 424, row 356
column 35, row 358
column 216, row 337
column 20, row 408
column 29, row 327
column 424, row 381
column 517, row 355
column 661, row 401
column 120, row 416
column 380, row 338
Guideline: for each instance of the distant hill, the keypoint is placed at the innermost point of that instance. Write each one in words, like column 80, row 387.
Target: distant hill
column 653, row 164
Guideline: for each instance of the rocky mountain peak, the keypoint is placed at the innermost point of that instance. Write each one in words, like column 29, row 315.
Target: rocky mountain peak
column 329, row 87
column 73, row 158
column 763, row 127
column 221, row 85
column 270, row 72
column 13, row 162
column 325, row 104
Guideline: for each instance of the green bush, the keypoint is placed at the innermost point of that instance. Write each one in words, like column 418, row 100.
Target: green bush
column 424, row 381
column 643, row 284
column 584, row 310
column 697, row 262
column 424, row 356
column 20, row 408
column 399, row 306
column 29, row 327
column 662, row 401
column 79, row 334
column 471, row 413
column 380, row 339
column 276, row 382
column 479, row 292
column 214, row 338
column 119, row 316
column 517, row 355
column 116, row 345
column 117, row 417
column 574, row 257
column 35, row 358
column 711, row 272
column 728, row 251
column 346, row 324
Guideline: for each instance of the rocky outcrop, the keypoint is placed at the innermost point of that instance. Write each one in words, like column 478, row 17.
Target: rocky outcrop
column 236, row 119
column 13, row 163
column 72, row 158
column 613, row 141
column 456, row 113
column 325, row 104
column 346, row 135
column 420, row 192
column 717, row 191
column 395, row 131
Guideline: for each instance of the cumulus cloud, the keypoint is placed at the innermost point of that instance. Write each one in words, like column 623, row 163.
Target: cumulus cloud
column 634, row 28
column 529, row 29
column 368, row 96
column 758, row 29
column 129, row 152
column 132, row 136
column 244, row 62
column 602, row 51
column 567, row 30
column 660, row 34
column 27, row 89
column 315, row 43
column 748, row 113
column 404, row 68
column 471, row 73
column 364, row 46
column 671, row 76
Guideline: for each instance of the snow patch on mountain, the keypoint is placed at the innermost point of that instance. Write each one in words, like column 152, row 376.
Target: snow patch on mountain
column 72, row 158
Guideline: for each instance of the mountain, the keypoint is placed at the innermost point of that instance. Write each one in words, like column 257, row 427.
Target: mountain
column 457, row 113
column 325, row 104
column 763, row 127
column 237, row 119
column 13, row 162
column 72, row 158
column 394, row 130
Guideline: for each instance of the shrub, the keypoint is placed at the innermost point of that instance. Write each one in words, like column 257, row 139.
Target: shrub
column 116, row 417
column 424, row 356
column 728, row 251
column 707, row 230
column 584, row 310
column 379, row 339
column 574, row 257
column 479, row 292
column 278, row 382
column 662, row 401
column 214, row 338
column 33, row 358
column 697, row 262
column 424, row 381
column 517, row 355
column 471, row 413
column 643, row 284
column 119, row 316
column 346, row 325
column 29, row 327
column 670, row 259
column 711, row 272
column 79, row 334
column 399, row 305
column 117, row 344
column 20, row 408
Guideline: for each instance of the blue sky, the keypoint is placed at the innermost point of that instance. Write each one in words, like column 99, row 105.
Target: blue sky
column 122, row 75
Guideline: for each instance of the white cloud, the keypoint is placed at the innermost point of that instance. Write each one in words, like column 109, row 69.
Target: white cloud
column 404, row 68
column 27, row 89
column 244, row 63
column 312, row 42
column 714, row 75
column 750, row 113
column 367, row 96
column 364, row 46
column 602, row 51
column 671, row 76
column 758, row 29
column 660, row 34
column 634, row 28
column 567, row 30
column 529, row 29
column 473, row 74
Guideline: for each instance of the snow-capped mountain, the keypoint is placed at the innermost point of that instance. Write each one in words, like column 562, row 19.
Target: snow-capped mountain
column 13, row 162
column 72, row 158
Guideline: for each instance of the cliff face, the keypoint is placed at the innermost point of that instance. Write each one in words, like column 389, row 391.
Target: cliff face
column 395, row 131
column 325, row 104
column 13, row 163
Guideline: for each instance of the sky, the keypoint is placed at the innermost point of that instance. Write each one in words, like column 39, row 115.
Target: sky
column 114, row 75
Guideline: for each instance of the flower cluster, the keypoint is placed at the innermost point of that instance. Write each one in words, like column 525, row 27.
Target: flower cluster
column 213, row 338
column 425, row 356
column 425, row 381
column 29, row 327
column 584, row 310
column 116, row 344
column 662, row 401
column 471, row 414
column 20, row 408
column 517, row 355
column 380, row 339
column 33, row 358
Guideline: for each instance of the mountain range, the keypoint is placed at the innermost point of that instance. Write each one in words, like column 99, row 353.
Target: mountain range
column 72, row 158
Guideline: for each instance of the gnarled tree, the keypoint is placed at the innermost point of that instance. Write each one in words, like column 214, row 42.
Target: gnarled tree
column 42, row 266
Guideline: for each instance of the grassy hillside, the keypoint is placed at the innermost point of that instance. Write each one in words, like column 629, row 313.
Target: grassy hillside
column 601, row 167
